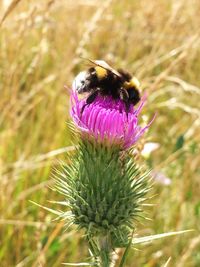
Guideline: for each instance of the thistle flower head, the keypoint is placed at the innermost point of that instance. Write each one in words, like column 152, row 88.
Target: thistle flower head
column 106, row 118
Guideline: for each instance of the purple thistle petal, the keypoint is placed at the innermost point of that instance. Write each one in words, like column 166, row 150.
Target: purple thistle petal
column 143, row 100
column 106, row 118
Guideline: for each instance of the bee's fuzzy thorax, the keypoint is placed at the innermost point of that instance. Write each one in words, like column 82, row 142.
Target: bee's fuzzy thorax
column 100, row 72
column 133, row 83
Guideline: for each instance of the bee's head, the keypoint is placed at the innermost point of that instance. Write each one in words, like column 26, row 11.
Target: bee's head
column 133, row 83
column 80, row 83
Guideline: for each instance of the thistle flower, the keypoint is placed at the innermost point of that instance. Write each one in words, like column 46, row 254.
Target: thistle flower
column 106, row 118
column 103, row 186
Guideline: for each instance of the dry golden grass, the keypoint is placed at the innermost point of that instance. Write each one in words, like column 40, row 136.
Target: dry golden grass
column 40, row 45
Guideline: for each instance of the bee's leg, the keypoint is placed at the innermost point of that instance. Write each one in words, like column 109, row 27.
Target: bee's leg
column 127, row 107
column 124, row 96
column 90, row 99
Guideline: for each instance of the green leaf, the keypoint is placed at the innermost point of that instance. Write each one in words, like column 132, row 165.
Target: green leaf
column 55, row 246
column 179, row 142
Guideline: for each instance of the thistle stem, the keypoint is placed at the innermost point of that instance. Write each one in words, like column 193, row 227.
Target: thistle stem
column 105, row 252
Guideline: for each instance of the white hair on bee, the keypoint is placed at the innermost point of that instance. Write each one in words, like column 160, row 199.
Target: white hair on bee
column 79, row 81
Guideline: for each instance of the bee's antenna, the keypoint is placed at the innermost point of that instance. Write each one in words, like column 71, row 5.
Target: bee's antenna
column 88, row 60
column 84, row 58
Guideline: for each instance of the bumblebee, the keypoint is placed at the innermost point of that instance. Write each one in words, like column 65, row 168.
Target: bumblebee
column 102, row 79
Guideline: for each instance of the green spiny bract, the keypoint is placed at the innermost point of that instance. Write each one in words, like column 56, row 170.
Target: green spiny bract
column 104, row 190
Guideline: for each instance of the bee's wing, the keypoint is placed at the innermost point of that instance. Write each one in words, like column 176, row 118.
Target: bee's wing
column 104, row 65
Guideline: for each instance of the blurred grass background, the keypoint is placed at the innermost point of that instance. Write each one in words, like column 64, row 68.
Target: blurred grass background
column 40, row 45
